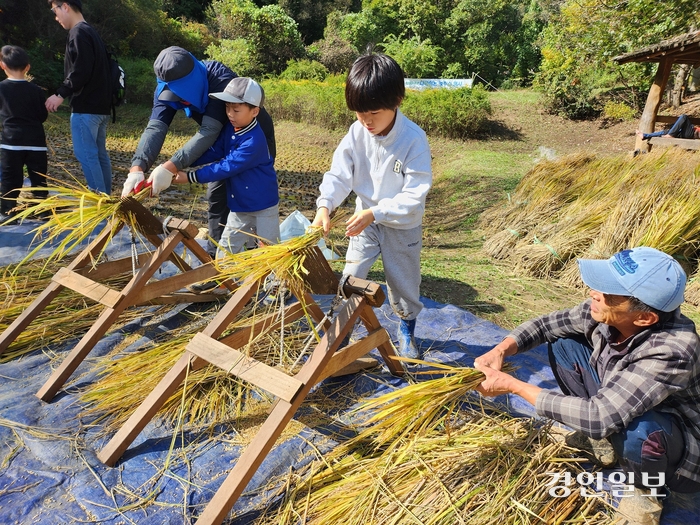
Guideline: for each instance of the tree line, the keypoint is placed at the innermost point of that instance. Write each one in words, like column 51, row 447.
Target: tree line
column 563, row 47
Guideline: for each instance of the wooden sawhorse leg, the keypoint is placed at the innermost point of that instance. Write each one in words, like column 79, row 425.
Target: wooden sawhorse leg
column 107, row 319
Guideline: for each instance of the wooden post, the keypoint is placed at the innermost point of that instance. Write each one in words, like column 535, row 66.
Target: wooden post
column 651, row 108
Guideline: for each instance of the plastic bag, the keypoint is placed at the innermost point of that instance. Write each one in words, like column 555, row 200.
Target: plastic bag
column 295, row 225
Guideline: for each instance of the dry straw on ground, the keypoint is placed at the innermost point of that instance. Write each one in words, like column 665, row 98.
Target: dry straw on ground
column 491, row 469
column 587, row 206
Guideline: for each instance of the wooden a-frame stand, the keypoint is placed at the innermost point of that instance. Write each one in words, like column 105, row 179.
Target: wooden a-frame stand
column 82, row 276
column 208, row 347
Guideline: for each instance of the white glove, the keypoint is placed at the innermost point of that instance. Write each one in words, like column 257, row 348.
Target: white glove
column 160, row 179
column 132, row 180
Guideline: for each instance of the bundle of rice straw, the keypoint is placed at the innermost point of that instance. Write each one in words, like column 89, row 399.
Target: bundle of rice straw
column 418, row 408
column 492, row 469
column 584, row 206
column 74, row 212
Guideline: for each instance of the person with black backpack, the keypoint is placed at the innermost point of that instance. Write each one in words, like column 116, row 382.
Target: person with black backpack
column 88, row 85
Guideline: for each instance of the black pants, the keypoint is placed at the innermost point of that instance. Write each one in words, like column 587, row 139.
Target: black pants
column 12, row 164
column 217, row 213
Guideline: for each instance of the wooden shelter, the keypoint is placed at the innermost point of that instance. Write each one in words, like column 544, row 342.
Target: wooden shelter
column 683, row 49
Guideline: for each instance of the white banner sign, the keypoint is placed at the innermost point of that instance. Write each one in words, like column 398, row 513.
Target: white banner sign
column 420, row 84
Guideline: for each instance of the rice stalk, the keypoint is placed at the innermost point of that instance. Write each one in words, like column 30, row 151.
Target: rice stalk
column 285, row 260
column 493, row 469
column 418, row 408
column 74, row 212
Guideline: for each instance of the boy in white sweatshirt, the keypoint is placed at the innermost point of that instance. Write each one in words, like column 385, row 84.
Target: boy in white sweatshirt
column 385, row 160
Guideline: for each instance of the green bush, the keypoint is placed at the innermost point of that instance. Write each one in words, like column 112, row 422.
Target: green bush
column 418, row 58
column 46, row 71
column 336, row 54
column 321, row 103
column 140, row 80
column 454, row 113
column 237, row 55
column 619, row 111
column 304, row 70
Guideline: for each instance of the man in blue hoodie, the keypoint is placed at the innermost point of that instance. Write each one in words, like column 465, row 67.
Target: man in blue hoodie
column 184, row 83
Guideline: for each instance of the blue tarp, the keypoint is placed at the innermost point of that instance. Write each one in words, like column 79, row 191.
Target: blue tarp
column 49, row 472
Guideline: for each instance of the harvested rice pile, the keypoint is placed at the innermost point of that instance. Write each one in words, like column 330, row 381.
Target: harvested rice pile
column 589, row 206
column 451, row 466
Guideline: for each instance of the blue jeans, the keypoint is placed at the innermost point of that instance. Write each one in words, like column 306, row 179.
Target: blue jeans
column 90, row 148
column 683, row 128
column 651, row 444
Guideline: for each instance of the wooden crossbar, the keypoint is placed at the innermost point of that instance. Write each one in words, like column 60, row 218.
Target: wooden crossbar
column 238, row 364
column 92, row 290
column 82, row 273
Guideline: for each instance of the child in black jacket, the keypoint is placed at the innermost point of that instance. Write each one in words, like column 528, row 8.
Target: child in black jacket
column 23, row 142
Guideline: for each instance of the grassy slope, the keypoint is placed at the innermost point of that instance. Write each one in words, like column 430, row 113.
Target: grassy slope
column 475, row 175
column 470, row 176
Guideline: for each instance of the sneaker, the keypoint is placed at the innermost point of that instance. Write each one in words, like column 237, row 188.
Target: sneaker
column 599, row 451
column 638, row 509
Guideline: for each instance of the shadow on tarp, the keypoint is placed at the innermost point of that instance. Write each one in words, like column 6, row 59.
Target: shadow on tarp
column 49, row 472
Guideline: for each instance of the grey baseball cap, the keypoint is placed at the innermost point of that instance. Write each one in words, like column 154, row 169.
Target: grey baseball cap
column 242, row 90
column 173, row 63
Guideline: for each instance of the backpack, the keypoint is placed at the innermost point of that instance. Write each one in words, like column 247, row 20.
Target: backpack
column 117, row 79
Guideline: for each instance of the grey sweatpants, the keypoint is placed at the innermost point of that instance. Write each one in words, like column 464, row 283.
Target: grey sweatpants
column 264, row 223
column 400, row 251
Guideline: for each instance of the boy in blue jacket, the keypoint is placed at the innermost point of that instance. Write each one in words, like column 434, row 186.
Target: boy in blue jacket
column 240, row 157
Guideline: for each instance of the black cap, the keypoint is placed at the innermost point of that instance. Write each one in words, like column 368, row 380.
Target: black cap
column 173, row 63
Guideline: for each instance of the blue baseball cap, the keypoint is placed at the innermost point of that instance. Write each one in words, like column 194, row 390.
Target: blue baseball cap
column 650, row 275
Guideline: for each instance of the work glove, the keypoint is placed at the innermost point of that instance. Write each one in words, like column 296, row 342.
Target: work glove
column 160, row 179
column 132, row 180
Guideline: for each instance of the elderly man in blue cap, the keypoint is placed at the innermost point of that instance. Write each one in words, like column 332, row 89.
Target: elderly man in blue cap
column 628, row 365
